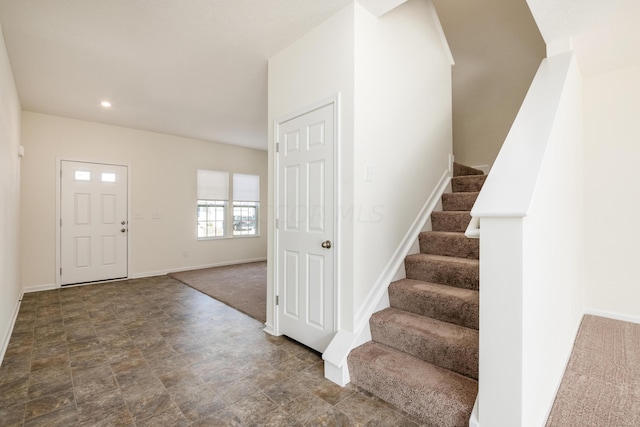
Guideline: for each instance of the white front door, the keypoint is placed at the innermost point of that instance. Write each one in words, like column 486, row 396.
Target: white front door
column 93, row 222
column 305, row 229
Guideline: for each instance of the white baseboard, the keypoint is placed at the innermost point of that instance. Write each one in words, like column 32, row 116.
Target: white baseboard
column 7, row 333
column 268, row 328
column 38, row 288
column 397, row 258
column 344, row 341
column 473, row 420
column 48, row 287
column 193, row 267
column 567, row 358
column 613, row 315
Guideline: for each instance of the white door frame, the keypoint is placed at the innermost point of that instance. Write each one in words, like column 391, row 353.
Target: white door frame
column 335, row 100
column 59, row 161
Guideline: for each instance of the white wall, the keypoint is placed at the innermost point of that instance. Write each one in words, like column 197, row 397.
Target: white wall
column 402, row 130
column 553, row 289
column 612, row 192
column 498, row 48
column 532, row 268
column 162, row 178
column 10, row 290
column 393, row 77
column 318, row 65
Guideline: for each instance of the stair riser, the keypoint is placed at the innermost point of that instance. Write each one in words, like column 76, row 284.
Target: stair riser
column 463, row 170
column 411, row 401
column 446, row 273
column 449, row 245
column 456, row 353
column 467, row 183
column 450, row 221
column 463, row 311
column 458, row 201
column 401, row 384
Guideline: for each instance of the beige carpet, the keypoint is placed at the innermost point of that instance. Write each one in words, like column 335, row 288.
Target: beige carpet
column 241, row 286
column 601, row 386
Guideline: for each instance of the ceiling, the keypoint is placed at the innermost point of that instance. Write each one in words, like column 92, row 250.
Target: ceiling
column 604, row 33
column 193, row 68
column 198, row 68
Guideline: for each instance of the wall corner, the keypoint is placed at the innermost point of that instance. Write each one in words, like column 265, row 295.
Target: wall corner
column 379, row 8
column 559, row 46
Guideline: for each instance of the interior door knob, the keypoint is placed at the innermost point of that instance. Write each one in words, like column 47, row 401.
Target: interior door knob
column 326, row 244
column 123, row 230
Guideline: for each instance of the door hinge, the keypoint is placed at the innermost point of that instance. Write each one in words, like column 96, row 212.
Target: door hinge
column 277, row 224
column 60, row 222
column 277, row 147
column 61, row 271
column 277, row 300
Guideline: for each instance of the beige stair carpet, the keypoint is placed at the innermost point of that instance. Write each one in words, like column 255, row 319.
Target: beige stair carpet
column 423, row 356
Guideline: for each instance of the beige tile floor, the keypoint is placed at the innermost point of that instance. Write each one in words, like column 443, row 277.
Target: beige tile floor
column 154, row 352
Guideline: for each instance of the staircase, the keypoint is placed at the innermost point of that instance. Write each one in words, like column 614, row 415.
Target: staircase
column 423, row 356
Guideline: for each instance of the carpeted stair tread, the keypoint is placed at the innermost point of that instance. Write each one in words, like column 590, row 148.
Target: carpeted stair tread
column 459, row 272
column 455, row 221
column 444, row 344
column 447, row 243
column 460, row 170
column 461, row 201
column 467, row 183
column 437, row 396
column 447, row 303
column 423, row 356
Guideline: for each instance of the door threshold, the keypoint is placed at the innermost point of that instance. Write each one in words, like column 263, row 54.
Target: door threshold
column 93, row 282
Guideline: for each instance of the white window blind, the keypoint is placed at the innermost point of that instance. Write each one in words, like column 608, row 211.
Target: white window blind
column 246, row 188
column 213, row 185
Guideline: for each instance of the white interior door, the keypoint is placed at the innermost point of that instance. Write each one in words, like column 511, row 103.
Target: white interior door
column 93, row 222
column 305, row 229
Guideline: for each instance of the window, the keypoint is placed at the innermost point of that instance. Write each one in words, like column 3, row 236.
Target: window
column 211, row 221
column 82, row 175
column 214, row 207
column 245, row 218
column 246, row 198
column 213, row 196
column 108, row 177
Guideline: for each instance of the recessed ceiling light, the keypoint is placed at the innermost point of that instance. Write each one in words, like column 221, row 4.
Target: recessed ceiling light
column 105, row 104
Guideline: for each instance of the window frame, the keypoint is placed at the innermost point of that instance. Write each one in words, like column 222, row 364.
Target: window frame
column 228, row 205
column 208, row 204
column 256, row 218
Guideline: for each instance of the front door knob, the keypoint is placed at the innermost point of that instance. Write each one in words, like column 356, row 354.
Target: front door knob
column 326, row 244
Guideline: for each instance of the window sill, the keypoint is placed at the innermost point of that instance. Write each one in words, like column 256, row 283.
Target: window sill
column 204, row 239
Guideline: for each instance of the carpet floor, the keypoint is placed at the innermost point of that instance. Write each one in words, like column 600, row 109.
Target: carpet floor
column 601, row 385
column 241, row 286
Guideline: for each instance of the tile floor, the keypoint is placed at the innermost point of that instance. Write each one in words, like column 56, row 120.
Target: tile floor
column 154, row 352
